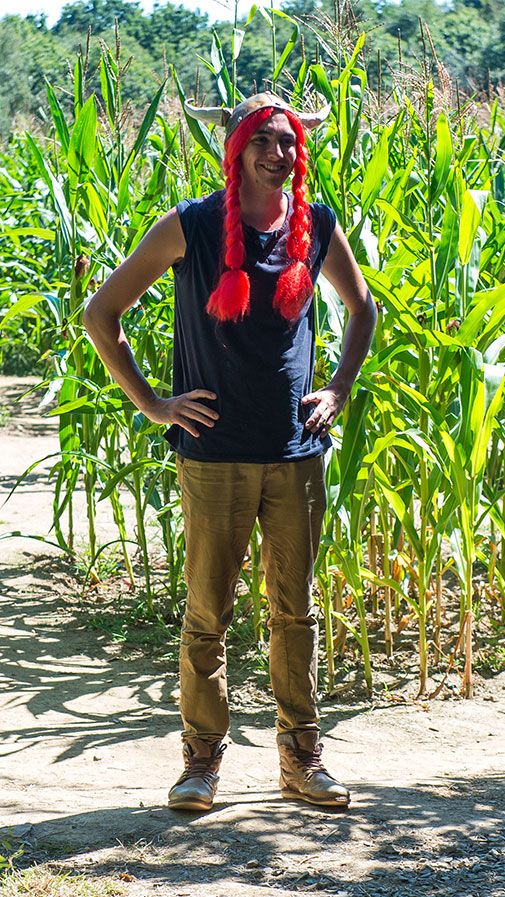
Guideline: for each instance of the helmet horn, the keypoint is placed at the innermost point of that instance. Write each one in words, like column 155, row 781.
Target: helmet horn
column 311, row 120
column 212, row 115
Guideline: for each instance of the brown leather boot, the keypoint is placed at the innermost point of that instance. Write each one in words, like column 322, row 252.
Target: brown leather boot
column 303, row 776
column 196, row 787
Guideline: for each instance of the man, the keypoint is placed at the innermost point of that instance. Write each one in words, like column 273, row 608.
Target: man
column 249, row 434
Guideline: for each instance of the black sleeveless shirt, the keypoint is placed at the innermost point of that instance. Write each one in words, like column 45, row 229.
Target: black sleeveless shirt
column 261, row 366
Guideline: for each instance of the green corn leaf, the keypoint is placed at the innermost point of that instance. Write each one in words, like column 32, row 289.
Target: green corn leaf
column 382, row 581
column 266, row 15
column 458, row 553
column 406, row 223
column 493, row 325
column 454, row 467
column 353, row 445
column 399, row 508
column 124, row 181
column 123, row 193
column 78, row 86
column 94, row 208
column 41, row 232
column 469, row 142
column 395, row 198
column 476, row 317
column 448, row 250
column 55, row 190
column 351, row 140
column 374, row 173
column 81, row 149
column 22, row 307
column 147, row 121
column 347, row 623
column 470, row 377
column 301, row 79
column 81, row 403
column 252, row 12
column 328, row 190
column 286, row 53
column 382, row 289
column 108, row 90
column 440, row 528
column 353, row 57
column 223, row 79
column 383, row 442
column 476, row 412
column 320, row 81
column 497, row 519
column 492, row 395
column 102, row 169
column 443, row 156
column 494, row 350
column 122, row 475
column 58, row 117
column 471, row 215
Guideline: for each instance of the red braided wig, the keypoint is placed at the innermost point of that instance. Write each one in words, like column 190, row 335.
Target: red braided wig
column 230, row 299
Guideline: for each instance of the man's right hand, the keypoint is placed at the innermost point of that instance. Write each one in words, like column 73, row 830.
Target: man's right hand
column 183, row 410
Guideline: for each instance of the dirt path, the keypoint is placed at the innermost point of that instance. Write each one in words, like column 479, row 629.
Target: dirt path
column 90, row 742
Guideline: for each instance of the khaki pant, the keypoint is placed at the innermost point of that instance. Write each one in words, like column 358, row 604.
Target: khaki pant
column 220, row 502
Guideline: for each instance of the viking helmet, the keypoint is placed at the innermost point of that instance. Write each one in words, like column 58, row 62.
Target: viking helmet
column 231, row 118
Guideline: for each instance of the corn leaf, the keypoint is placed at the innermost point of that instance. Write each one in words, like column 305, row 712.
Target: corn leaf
column 443, row 156
column 375, row 172
column 81, row 149
column 58, row 117
column 286, row 53
column 353, row 445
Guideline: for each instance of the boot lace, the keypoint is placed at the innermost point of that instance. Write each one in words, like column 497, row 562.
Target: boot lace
column 310, row 760
column 202, row 767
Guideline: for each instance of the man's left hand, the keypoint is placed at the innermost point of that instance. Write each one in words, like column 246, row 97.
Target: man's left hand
column 329, row 402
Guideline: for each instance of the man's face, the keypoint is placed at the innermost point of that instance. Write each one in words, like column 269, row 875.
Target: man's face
column 268, row 158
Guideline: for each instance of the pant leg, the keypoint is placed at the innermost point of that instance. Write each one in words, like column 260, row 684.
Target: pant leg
column 220, row 503
column 291, row 514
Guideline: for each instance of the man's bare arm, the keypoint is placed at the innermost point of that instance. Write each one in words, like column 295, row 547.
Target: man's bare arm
column 159, row 249
column 342, row 270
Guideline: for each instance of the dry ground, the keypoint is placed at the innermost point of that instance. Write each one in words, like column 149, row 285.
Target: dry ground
column 89, row 743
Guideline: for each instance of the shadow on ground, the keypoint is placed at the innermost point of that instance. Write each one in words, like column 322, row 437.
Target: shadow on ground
column 380, row 846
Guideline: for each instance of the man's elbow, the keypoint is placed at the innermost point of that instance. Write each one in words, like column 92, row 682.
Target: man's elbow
column 90, row 318
column 371, row 306
column 368, row 310
column 97, row 316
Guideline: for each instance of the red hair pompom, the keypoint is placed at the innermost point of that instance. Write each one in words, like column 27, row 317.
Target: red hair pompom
column 294, row 287
column 230, row 300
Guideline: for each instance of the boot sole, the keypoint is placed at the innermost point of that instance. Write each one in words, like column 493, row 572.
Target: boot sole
column 296, row 795
column 189, row 805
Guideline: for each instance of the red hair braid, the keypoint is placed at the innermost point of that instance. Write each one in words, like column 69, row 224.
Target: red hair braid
column 230, row 299
column 294, row 285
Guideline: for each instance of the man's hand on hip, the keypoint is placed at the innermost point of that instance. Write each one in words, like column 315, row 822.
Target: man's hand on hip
column 329, row 402
column 183, row 410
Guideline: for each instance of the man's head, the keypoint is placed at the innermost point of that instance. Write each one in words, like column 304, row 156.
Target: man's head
column 270, row 153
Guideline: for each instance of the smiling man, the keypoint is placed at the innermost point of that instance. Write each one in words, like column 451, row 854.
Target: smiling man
column 248, row 432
